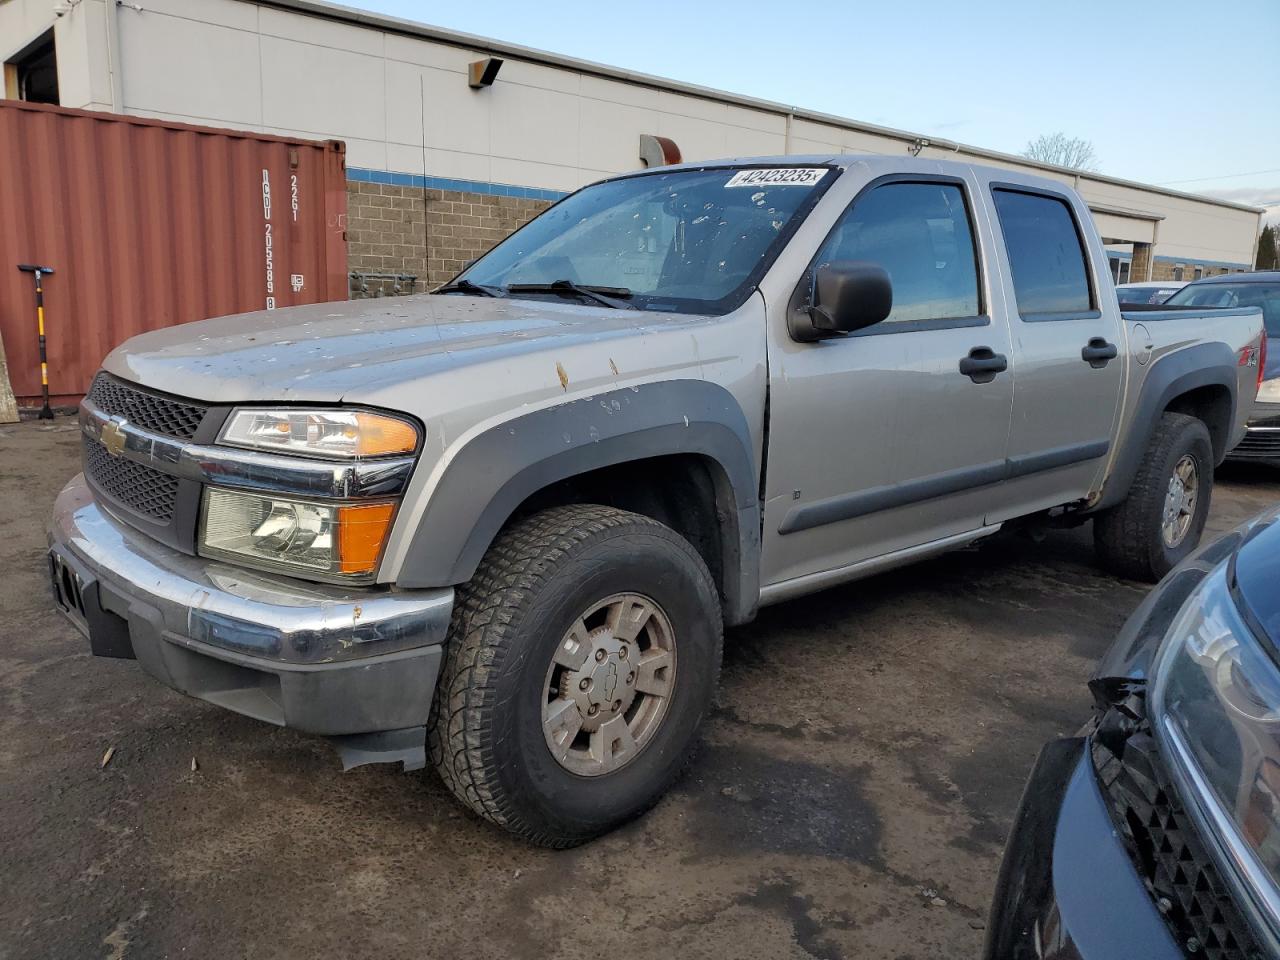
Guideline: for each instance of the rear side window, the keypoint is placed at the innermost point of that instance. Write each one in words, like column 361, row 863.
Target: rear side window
column 1050, row 278
column 919, row 233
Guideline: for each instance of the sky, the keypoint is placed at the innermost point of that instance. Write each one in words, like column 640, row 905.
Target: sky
column 1180, row 93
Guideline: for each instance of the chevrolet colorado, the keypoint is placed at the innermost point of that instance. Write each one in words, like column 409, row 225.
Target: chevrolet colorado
column 505, row 523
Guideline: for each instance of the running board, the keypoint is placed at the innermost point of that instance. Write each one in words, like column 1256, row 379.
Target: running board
column 813, row 582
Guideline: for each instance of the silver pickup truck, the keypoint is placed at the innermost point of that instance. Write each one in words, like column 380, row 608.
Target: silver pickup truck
column 504, row 524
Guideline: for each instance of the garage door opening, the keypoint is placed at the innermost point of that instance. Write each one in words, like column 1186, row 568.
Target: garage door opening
column 1121, row 263
column 32, row 74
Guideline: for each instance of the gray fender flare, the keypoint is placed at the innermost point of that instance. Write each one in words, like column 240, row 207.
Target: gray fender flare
column 1201, row 365
column 500, row 468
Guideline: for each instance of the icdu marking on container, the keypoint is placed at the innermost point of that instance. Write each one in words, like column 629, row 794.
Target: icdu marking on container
column 269, row 240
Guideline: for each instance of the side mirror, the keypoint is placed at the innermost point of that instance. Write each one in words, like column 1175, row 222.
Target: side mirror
column 847, row 296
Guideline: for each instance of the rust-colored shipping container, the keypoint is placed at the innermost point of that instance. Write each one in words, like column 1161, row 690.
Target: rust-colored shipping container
column 149, row 223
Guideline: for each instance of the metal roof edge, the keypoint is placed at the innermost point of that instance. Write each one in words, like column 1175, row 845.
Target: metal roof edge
column 1124, row 212
column 335, row 11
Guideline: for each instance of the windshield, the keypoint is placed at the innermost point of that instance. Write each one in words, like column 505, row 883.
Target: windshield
column 689, row 241
column 1264, row 295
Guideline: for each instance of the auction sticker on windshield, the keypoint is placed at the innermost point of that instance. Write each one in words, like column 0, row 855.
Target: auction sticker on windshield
column 778, row 177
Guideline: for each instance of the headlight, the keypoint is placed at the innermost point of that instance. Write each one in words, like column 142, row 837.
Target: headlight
column 1215, row 705
column 1269, row 391
column 332, row 541
column 341, row 434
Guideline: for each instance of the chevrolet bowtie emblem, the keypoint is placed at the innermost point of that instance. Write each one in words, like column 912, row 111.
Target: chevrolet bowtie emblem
column 611, row 680
column 112, row 437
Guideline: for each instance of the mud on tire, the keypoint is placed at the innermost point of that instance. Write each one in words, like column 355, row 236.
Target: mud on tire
column 486, row 733
column 1130, row 537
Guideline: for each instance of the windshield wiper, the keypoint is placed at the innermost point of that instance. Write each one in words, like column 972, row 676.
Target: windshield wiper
column 605, row 296
column 468, row 287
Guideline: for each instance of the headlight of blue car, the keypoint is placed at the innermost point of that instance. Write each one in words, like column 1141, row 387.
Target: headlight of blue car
column 1215, row 706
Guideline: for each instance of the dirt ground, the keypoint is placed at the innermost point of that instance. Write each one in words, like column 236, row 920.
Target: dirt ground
column 850, row 800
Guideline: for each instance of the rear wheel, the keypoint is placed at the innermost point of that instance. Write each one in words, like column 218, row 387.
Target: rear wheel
column 1161, row 520
column 582, row 658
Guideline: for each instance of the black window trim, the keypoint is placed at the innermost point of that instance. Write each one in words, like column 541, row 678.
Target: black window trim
column 888, row 328
column 1094, row 312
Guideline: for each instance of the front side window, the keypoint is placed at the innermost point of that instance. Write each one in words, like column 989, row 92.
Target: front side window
column 687, row 241
column 919, row 233
column 1050, row 276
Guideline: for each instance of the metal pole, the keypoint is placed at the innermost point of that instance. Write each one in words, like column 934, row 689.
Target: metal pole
column 46, row 412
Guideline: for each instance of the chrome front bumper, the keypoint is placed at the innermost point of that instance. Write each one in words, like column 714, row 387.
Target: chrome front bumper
column 325, row 659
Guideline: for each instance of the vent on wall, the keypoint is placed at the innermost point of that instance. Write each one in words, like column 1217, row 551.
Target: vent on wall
column 658, row 151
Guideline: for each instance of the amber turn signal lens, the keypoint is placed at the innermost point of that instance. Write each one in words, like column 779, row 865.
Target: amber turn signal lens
column 379, row 436
column 361, row 533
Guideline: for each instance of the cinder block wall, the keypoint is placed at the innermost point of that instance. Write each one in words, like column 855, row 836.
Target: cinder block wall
column 1163, row 269
column 425, row 232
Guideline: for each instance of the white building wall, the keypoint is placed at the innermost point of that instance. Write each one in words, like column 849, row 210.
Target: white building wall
column 80, row 37
column 401, row 103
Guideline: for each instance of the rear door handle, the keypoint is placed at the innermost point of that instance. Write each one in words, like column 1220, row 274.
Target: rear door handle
column 1097, row 352
column 982, row 364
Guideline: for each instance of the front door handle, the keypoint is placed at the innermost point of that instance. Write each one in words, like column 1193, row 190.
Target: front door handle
column 1097, row 352
column 982, row 364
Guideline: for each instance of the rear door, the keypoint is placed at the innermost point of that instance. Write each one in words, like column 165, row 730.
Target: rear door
column 877, row 441
column 1069, row 346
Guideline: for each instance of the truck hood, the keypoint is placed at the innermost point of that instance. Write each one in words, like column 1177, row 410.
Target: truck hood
column 360, row 350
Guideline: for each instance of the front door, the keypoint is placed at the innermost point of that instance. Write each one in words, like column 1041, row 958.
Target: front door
column 877, row 442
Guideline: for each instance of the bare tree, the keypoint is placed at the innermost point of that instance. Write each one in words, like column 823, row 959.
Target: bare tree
column 1062, row 151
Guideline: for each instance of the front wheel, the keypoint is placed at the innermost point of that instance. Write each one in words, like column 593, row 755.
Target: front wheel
column 1161, row 520
column 582, row 658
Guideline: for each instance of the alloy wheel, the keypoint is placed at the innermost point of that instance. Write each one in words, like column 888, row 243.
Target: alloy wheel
column 609, row 684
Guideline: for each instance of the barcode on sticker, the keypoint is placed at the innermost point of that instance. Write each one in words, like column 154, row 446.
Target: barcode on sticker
column 778, row 177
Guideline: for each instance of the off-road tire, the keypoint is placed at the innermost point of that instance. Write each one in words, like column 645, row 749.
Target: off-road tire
column 485, row 733
column 1128, row 537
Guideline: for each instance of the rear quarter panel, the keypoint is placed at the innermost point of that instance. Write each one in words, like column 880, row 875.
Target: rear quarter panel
column 1187, row 347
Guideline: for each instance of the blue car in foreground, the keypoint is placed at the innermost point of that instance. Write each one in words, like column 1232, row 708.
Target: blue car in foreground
column 1155, row 833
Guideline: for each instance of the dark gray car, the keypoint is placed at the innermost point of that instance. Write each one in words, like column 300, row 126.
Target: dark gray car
column 1260, row 289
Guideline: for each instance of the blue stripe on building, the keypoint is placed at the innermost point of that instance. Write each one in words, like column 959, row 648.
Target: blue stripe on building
column 1185, row 261
column 363, row 175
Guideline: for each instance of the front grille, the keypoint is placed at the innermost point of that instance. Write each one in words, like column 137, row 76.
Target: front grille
column 151, row 411
column 1170, row 857
column 1259, row 443
column 141, row 489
